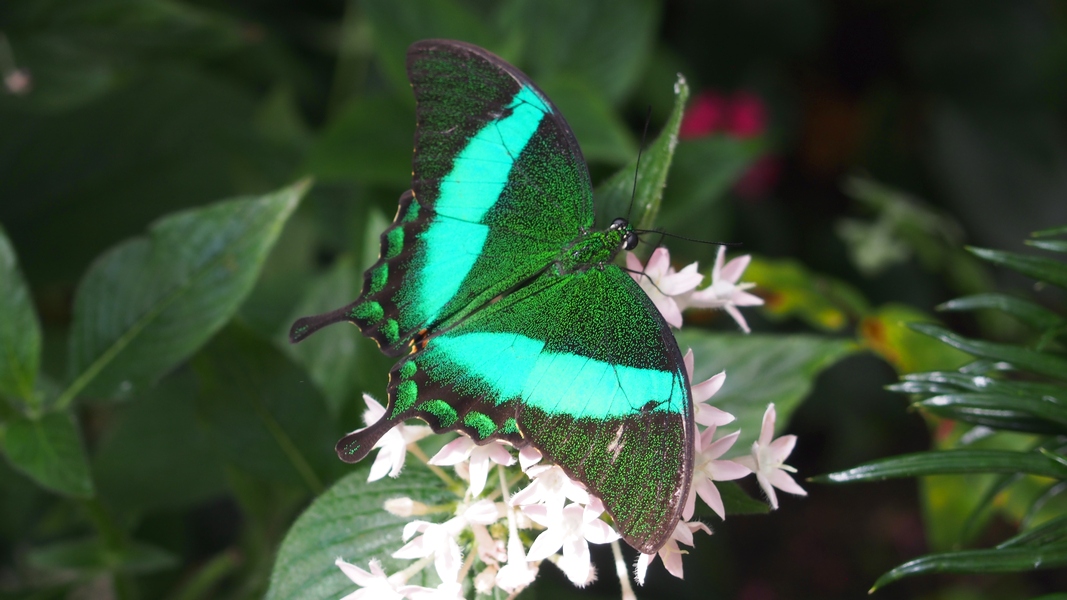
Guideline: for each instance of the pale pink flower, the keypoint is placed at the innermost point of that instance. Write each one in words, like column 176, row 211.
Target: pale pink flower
column 463, row 448
column 393, row 445
column 704, row 413
column 528, row 457
column 437, row 540
column 18, row 82
column 725, row 292
column 518, row 573
column 661, row 282
column 767, row 460
column 551, row 487
column 572, row 531
column 670, row 553
column 374, row 585
column 708, row 469
column 449, row 590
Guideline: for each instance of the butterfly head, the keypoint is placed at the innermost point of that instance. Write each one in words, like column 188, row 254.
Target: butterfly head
column 628, row 239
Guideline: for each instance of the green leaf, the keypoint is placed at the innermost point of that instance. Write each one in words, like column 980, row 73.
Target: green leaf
column 735, row 501
column 20, row 331
column 369, row 143
column 331, row 356
column 49, row 450
column 603, row 42
column 1034, row 315
column 1050, row 532
column 613, row 195
column 1038, row 267
column 1001, row 411
column 980, row 561
column 761, row 369
column 1022, row 358
column 1054, row 231
column 92, row 556
column 263, row 414
column 949, row 462
column 601, row 134
column 986, row 384
column 348, row 521
column 1050, row 245
column 135, row 463
column 149, row 303
column 889, row 333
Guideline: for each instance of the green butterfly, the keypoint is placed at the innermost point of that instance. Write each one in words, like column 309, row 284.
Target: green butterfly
column 511, row 319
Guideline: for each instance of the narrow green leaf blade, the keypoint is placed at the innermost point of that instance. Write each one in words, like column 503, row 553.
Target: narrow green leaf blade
column 151, row 302
column 348, row 521
column 1049, row 532
column 1031, row 360
column 1034, row 315
column 1050, row 245
column 1007, row 412
column 20, row 331
column 980, row 561
column 613, row 195
column 49, row 450
column 1054, row 231
column 1038, row 267
column 949, row 462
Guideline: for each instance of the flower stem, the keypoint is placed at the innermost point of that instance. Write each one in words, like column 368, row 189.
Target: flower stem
column 622, row 572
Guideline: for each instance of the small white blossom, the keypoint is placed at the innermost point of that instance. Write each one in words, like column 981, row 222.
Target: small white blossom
column 704, row 413
column 572, row 531
column 708, row 469
column 767, row 460
column 662, row 283
column 552, row 487
column 464, row 448
column 670, row 553
column 451, row 590
column 528, row 457
column 724, row 291
column 393, row 445
column 374, row 585
column 405, row 507
column 437, row 540
column 518, row 573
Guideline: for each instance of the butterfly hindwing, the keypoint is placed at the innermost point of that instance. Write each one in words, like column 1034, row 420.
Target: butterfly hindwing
column 580, row 366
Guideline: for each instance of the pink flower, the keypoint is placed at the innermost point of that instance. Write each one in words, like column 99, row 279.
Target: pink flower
column 706, row 115
column 704, row 413
column 707, row 469
column 670, row 553
column 463, row 448
column 393, row 445
column 661, row 282
column 571, row 531
column 725, row 292
column 747, row 116
column 375, row 584
column 767, row 460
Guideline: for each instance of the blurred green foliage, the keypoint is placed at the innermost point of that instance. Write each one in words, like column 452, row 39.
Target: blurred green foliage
column 161, row 437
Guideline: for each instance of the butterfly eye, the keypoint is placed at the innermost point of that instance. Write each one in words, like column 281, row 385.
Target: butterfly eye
column 630, row 241
column 619, row 223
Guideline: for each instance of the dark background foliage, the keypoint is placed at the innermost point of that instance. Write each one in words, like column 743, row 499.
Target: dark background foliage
column 117, row 112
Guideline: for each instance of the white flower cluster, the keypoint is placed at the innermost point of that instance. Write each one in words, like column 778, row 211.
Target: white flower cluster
column 557, row 513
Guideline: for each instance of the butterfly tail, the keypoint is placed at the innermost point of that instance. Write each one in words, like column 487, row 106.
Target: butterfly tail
column 355, row 446
column 305, row 326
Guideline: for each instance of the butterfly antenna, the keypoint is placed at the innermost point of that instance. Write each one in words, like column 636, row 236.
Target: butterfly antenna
column 663, row 234
column 637, row 166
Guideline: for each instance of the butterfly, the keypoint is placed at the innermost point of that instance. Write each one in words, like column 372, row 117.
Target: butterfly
column 509, row 317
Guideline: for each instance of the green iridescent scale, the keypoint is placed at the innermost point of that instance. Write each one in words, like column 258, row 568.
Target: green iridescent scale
column 510, row 318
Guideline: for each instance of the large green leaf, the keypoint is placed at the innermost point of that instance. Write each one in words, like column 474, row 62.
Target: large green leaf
column 49, row 450
column 603, row 42
column 151, row 302
column 949, row 462
column 135, row 464
column 369, row 143
column 20, row 331
column 1022, row 358
column 348, row 521
column 263, row 414
column 601, row 133
column 761, row 369
column 980, row 561
column 613, row 196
